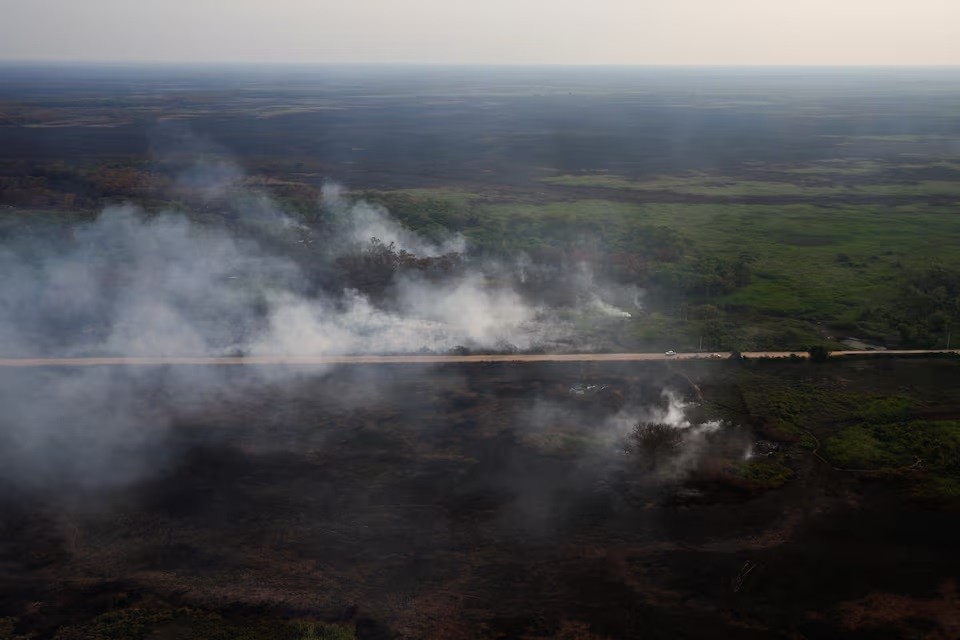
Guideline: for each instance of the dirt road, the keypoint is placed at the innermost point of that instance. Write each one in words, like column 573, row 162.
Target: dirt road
column 410, row 359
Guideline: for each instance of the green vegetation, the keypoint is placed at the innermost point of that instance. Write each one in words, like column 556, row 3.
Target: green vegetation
column 755, row 211
column 878, row 445
column 763, row 473
column 928, row 305
column 699, row 184
column 864, row 419
column 826, row 222
column 738, row 275
column 803, row 402
column 773, row 276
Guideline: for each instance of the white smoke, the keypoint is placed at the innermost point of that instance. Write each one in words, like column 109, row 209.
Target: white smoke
column 598, row 296
column 674, row 412
column 138, row 285
column 132, row 283
column 359, row 221
column 466, row 312
column 606, row 308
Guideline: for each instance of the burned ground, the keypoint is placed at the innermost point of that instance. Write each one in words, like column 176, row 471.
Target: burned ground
column 468, row 501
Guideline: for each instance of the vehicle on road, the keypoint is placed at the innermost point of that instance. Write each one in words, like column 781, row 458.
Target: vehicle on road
column 671, row 352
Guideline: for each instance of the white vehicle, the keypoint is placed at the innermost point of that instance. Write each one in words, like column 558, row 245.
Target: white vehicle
column 670, row 353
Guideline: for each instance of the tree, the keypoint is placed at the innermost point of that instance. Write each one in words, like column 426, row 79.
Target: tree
column 655, row 440
column 819, row 353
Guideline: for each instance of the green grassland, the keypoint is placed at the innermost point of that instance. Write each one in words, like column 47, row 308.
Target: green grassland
column 778, row 254
column 818, row 268
column 905, row 176
column 813, row 264
column 878, row 420
column 710, row 186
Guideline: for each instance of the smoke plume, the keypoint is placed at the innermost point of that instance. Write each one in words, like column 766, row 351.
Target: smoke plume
column 136, row 283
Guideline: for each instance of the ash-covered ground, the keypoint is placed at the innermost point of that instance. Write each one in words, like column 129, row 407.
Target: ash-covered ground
column 468, row 501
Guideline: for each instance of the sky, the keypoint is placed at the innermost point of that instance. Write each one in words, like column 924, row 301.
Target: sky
column 641, row 32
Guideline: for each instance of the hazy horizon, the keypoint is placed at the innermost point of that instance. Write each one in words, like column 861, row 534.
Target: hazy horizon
column 174, row 64
column 737, row 33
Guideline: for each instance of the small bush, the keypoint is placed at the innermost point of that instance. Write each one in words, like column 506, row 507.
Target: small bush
column 655, row 440
column 762, row 473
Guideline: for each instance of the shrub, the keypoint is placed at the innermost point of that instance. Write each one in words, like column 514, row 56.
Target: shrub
column 655, row 440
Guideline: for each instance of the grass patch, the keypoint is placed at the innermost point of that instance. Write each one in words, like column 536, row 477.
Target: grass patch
column 865, row 418
column 878, row 446
column 811, row 263
column 788, row 185
column 762, row 474
column 797, row 269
